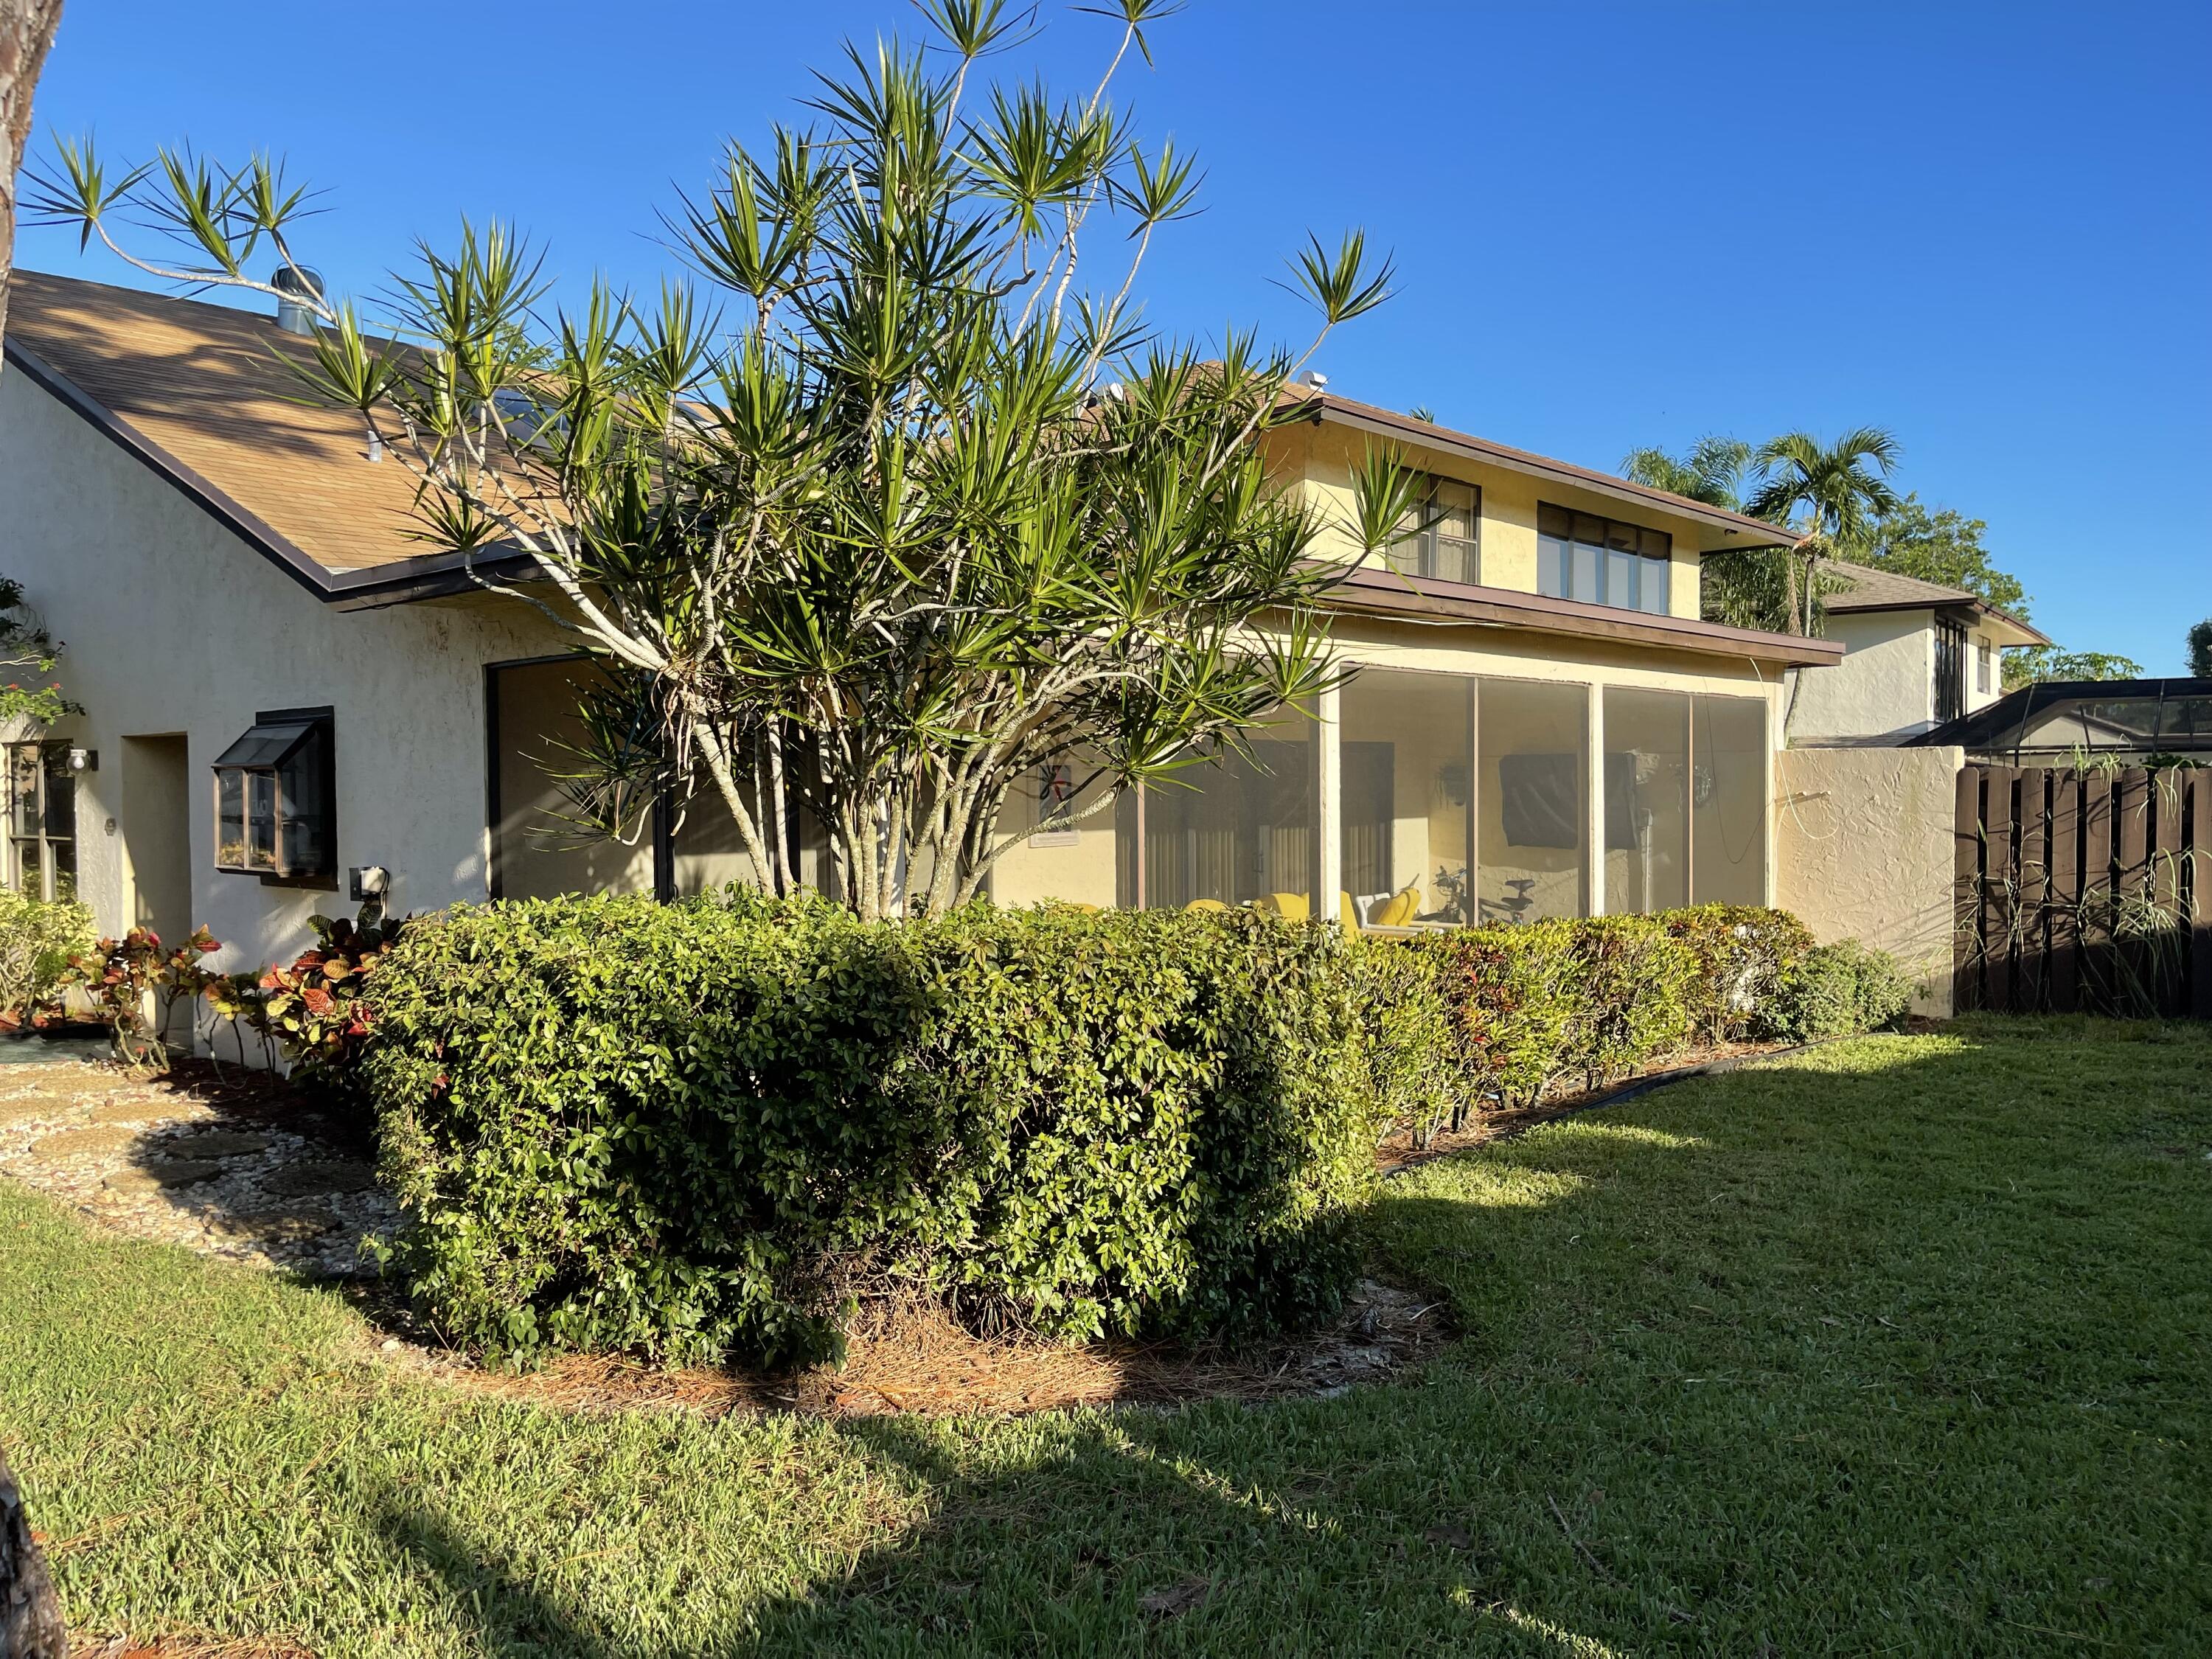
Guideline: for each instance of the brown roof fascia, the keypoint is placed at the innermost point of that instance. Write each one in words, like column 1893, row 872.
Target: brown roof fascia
column 1387, row 594
column 1966, row 602
column 1388, row 422
column 433, row 575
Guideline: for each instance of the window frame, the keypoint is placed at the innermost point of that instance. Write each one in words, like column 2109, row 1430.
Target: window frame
column 52, row 764
column 321, row 728
column 1416, row 553
column 1559, row 546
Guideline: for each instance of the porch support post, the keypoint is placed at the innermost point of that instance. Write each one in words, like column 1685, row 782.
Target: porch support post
column 1594, row 831
column 1329, row 779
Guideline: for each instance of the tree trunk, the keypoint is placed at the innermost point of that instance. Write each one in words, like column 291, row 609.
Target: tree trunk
column 26, row 29
column 30, row 1614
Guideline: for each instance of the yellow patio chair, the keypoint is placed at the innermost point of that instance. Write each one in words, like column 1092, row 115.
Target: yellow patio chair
column 1399, row 911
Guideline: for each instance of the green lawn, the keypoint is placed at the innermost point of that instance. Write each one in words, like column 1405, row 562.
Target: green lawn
column 1904, row 1345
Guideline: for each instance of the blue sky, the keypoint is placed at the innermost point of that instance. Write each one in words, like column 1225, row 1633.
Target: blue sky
column 1988, row 227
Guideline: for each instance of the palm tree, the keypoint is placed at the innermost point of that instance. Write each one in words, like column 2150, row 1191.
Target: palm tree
column 1828, row 484
column 1712, row 472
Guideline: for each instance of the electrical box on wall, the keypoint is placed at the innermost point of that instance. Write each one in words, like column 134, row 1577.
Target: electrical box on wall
column 370, row 881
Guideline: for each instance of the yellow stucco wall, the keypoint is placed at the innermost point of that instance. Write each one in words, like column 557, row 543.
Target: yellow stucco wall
column 1318, row 461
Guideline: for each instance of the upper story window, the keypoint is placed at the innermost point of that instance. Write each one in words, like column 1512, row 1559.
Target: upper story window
column 1950, row 668
column 1580, row 555
column 1443, row 534
column 275, row 799
column 41, row 821
column 1985, row 662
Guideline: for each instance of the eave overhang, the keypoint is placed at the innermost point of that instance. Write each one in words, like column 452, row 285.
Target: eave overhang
column 1365, row 590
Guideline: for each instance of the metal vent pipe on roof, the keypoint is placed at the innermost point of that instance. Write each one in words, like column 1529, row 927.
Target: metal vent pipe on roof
column 292, row 315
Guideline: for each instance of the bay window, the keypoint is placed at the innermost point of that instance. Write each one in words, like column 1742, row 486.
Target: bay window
column 275, row 812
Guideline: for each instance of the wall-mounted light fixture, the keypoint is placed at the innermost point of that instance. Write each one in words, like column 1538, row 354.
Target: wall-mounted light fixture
column 84, row 760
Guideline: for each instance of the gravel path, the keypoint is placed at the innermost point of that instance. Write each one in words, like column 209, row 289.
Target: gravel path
column 231, row 1164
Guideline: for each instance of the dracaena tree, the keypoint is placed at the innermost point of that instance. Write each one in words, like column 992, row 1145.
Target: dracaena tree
column 888, row 505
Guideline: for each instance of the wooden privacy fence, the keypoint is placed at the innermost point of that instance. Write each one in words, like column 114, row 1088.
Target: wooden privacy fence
column 2084, row 889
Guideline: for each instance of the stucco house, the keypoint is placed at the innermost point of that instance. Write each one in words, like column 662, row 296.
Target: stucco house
column 1916, row 654
column 282, row 688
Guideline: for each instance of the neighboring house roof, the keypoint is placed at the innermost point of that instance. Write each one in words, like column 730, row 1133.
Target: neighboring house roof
column 2156, row 716
column 198, row 393
column 1388, row 422
column 1871, row 587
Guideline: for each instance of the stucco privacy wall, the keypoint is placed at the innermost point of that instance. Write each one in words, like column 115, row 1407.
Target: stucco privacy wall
column 1865, row 844
column 173, row 625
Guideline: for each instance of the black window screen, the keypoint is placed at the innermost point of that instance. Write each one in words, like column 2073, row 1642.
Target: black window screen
column 1950, row 670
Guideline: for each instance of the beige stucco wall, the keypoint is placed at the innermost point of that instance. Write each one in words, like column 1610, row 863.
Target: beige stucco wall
column 1865, row 843
column 1884, row 688
column 174, row 625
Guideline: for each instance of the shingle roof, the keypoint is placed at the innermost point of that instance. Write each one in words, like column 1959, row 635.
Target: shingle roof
column 1872, row 588
column 203, row 384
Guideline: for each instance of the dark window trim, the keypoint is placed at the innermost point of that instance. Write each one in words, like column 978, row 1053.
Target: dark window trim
column 1950, row 668
column 324, row 715
column 1642, row 534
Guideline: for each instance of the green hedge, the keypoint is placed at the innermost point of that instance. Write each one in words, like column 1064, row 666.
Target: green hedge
column 697, row 1130
column 1534, row 1008
column 1835, row 990
column 694, row 1130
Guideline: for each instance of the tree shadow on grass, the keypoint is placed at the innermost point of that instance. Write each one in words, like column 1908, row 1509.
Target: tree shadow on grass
column 497, row 1605
column 1621, row 1458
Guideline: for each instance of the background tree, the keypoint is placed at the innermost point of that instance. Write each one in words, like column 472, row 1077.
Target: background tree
column 31, row 1625
column 27, row 31
column 1939, row 546
column 1713, row 472
column 1749, row 588
column 1830, row 486
column 2032, row 665
column 25, row 644
column 2200, row 650
column 924, row 512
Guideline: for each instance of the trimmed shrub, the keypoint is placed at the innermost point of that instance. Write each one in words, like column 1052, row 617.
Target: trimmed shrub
column 1515, row 992
column 1633, row 994
column 1839, row 990
column 1742, row 952
column 694, row 1130
column 36, row 941
column 1420, row 1079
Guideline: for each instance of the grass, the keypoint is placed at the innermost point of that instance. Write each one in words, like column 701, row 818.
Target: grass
column 1904, row 1345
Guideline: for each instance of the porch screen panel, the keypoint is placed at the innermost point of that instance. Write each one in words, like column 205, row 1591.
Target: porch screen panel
column 535, row 854
column 1647, row 800
column 1532, row 799
column 1408, row 766
column 1232, row 829
column 1727, row 792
